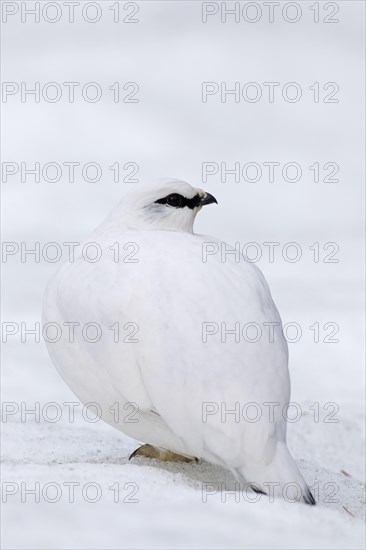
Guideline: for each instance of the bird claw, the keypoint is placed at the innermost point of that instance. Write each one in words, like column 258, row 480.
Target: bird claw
column 149, row 451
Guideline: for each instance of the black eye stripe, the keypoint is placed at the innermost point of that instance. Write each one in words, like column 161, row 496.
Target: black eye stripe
column 181, row 202
column 193, row 202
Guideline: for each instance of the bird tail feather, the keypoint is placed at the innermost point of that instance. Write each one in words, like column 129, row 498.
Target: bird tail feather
column 280, row 477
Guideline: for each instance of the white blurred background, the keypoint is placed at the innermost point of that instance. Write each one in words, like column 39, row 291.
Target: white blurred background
column 169, row 53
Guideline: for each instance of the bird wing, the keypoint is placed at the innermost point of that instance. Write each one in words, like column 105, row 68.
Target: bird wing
column 183, row 374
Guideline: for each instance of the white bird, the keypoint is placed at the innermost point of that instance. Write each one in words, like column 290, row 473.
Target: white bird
column 143, row 336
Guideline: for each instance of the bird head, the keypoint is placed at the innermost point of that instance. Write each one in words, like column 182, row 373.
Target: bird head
column 168, row 205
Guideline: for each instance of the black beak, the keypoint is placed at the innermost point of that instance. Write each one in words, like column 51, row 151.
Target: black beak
column 207, row 199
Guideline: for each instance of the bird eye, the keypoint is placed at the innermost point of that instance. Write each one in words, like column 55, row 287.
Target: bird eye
column 175, row 200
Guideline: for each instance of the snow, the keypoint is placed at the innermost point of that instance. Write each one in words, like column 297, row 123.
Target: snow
column 171, row 133
column 172, row 510
column 179, row 505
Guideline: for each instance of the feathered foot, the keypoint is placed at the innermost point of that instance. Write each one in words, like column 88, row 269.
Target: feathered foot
column 167, row 456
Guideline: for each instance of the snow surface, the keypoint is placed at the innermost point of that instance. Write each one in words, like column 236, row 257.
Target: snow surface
column 171, row 511
column 170, row 133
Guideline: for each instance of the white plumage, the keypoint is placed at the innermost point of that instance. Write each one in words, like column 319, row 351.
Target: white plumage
column 170, row 374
